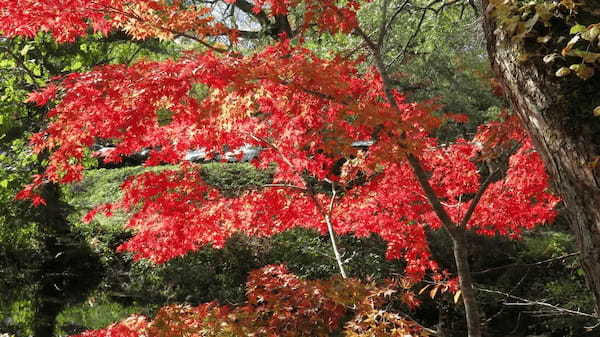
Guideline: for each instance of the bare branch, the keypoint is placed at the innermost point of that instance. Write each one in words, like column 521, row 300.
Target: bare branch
column 382, row 27
column 477, row 198
column 517, row 265
column 338, row 257
column 294, row 187
column 402, row 55
column 396, row 13
column 528, row 302
column 433, row 199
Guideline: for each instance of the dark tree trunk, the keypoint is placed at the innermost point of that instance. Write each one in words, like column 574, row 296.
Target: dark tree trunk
column 461, row 258
column 557, row 113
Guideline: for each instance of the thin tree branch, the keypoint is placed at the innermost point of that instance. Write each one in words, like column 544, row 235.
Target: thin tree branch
column 383, row 24
column 294, row 187
column 331, row 231
column 434, row 201
column 402, row 55
column 518, row 265
column 310, row 191
column 477, row 198
column 528, row 302
column 396, row 13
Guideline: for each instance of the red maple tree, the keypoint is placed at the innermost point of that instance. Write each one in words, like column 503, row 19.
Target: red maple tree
column 305, row 111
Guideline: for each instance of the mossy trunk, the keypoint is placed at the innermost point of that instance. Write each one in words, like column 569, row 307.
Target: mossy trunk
column 557, row 113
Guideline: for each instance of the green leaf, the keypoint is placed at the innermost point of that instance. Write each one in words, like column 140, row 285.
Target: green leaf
column 76, row 65
column 26, row 49
column 591, row 33
column 577, row 29
column 582, row 71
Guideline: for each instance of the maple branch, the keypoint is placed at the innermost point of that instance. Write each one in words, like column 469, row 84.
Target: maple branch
column 382, row 27
column 402, row 54
column 300, row 188
column 434, row 201
column 199, row 40
column 396, row 13
column 272, row 146
column 168, row 30
column 310, row 191
column 477, row 198
column 248, row 8
column 461, row 255
column 338, row 257
column 333, row 192
column 381, row 68
column 413, row 161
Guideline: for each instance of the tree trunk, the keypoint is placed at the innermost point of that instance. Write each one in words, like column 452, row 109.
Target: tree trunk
column 557, row 113
column 461, row 258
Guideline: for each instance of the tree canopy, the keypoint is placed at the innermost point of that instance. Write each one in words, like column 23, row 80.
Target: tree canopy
column 348, row 152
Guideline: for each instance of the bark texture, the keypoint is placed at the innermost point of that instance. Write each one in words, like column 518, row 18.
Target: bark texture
column 461, row 258
column 557, row 113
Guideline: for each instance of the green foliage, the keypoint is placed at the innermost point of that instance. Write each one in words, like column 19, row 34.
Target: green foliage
column 535, row 273
column 97, row 312
column 16, row 317
column 202, row 276
column 99, row 187
column 234, row 178
column 41, row 260
column 441, row 57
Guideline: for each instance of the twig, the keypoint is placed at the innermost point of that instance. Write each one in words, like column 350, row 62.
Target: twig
column 402, row 54
column 311, row 193
column 516, row 265
column 528, row 302
column 338, row 257
column 477, row 198
column 300, row 188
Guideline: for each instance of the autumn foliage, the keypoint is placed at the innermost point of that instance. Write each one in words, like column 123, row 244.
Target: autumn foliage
column 303, row 125
column 305, row 112
column 280, row 304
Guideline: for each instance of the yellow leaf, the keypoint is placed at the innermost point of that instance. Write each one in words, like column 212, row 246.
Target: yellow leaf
column 591, row 33
column 433, row 292
column 597, row 111
column 457, row 296
column 423, row 289
column 544, row 39
column 564, row 71
column 582, row 71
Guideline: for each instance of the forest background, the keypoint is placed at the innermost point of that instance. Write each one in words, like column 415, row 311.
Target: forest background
column 62, row 275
